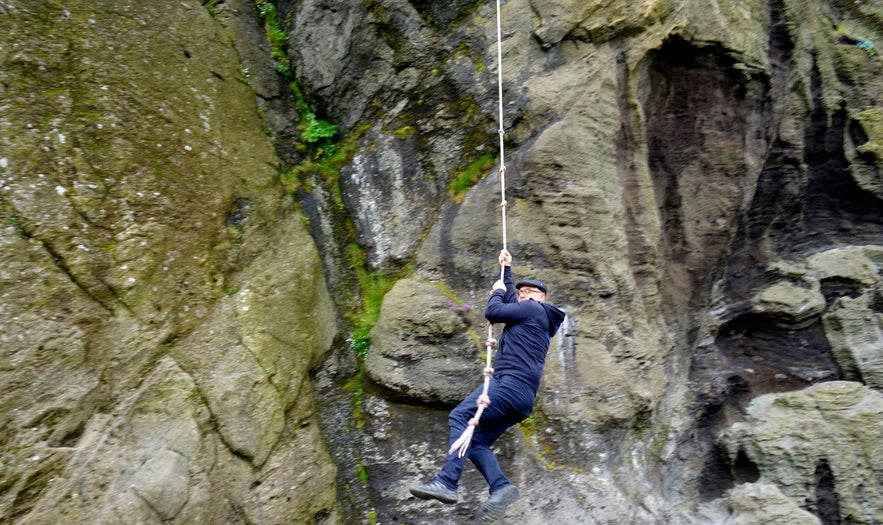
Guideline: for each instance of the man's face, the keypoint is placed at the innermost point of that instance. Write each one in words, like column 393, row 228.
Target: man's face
column 529, row 292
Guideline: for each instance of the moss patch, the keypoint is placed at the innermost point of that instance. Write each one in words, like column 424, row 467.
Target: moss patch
column 468, row 176
column 871, row 121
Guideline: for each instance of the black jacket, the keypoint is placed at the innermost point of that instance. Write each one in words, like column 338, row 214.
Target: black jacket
column 529, row 327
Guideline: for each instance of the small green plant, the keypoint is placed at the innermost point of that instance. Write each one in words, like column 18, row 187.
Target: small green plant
column 361, row 340
column 289, row 180
column 373, row 287
column 277, row 36
column 317, row 130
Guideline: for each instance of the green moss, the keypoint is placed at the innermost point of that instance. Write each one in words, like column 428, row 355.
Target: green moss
column 362, row 473
column 210, row 6
column 373, row 287
column 290, row 181
column 53, row 93
column 871, row 120
column 529, row 427
column 465, row 12
column 405, row 131
column 86, row 106
column 467, row 176
column 277, row 36
column 356, row 385
column 16, row 224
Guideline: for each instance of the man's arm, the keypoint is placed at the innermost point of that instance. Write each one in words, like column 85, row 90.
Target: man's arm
column 498, row 311
column 506, row 284
column 503, row 307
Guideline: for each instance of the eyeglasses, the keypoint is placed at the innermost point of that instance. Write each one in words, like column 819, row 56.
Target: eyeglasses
column 527, row 291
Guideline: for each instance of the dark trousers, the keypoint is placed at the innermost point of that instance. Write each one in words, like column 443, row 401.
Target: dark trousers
column 511, row 401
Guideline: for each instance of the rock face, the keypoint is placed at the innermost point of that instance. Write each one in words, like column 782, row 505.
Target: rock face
column 162, row 303
column 689, row 233
column 782, row 434
column 698, row 183
column 421, row 349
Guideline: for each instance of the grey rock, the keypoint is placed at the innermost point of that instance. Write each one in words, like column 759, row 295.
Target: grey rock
column 821, row 446
column 421, row 348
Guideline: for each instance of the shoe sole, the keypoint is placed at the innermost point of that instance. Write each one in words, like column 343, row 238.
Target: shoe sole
column 423, row 494
column 492, row 511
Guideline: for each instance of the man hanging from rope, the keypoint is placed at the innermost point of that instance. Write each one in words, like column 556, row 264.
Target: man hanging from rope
column 530, row 323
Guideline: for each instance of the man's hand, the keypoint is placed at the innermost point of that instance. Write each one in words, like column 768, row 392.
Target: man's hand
column 483, row 401
column 505, row 257
column 499, row 285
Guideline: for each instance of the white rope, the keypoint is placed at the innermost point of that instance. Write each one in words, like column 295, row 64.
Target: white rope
column 462, row 444
column 501, row 131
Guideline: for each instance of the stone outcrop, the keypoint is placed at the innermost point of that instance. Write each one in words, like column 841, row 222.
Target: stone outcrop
column 853, row 321
column 757, row 504
column 822, row 447
column 421, row 347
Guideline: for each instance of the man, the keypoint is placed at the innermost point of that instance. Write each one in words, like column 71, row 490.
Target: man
column 530, row 324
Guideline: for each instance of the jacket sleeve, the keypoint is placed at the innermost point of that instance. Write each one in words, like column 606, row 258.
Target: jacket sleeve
column 499, row 312
column 503, row 307
column 511, row 295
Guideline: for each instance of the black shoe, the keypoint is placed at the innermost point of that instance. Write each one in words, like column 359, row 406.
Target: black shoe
column 434, row 490
column 495, row 506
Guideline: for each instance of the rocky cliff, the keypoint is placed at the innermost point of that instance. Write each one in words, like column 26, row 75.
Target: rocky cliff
column 161, row 300
column 189, row 247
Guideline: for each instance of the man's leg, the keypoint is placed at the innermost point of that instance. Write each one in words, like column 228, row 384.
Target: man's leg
column 514, row 402
column 511, row 402
column 443, row 487
column 483, row 458
column 458, row 420
column 511, row 406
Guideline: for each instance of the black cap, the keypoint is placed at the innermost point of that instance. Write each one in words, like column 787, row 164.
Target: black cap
column 532, row 282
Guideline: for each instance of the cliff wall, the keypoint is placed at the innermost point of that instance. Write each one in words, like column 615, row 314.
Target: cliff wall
column 697, row 182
